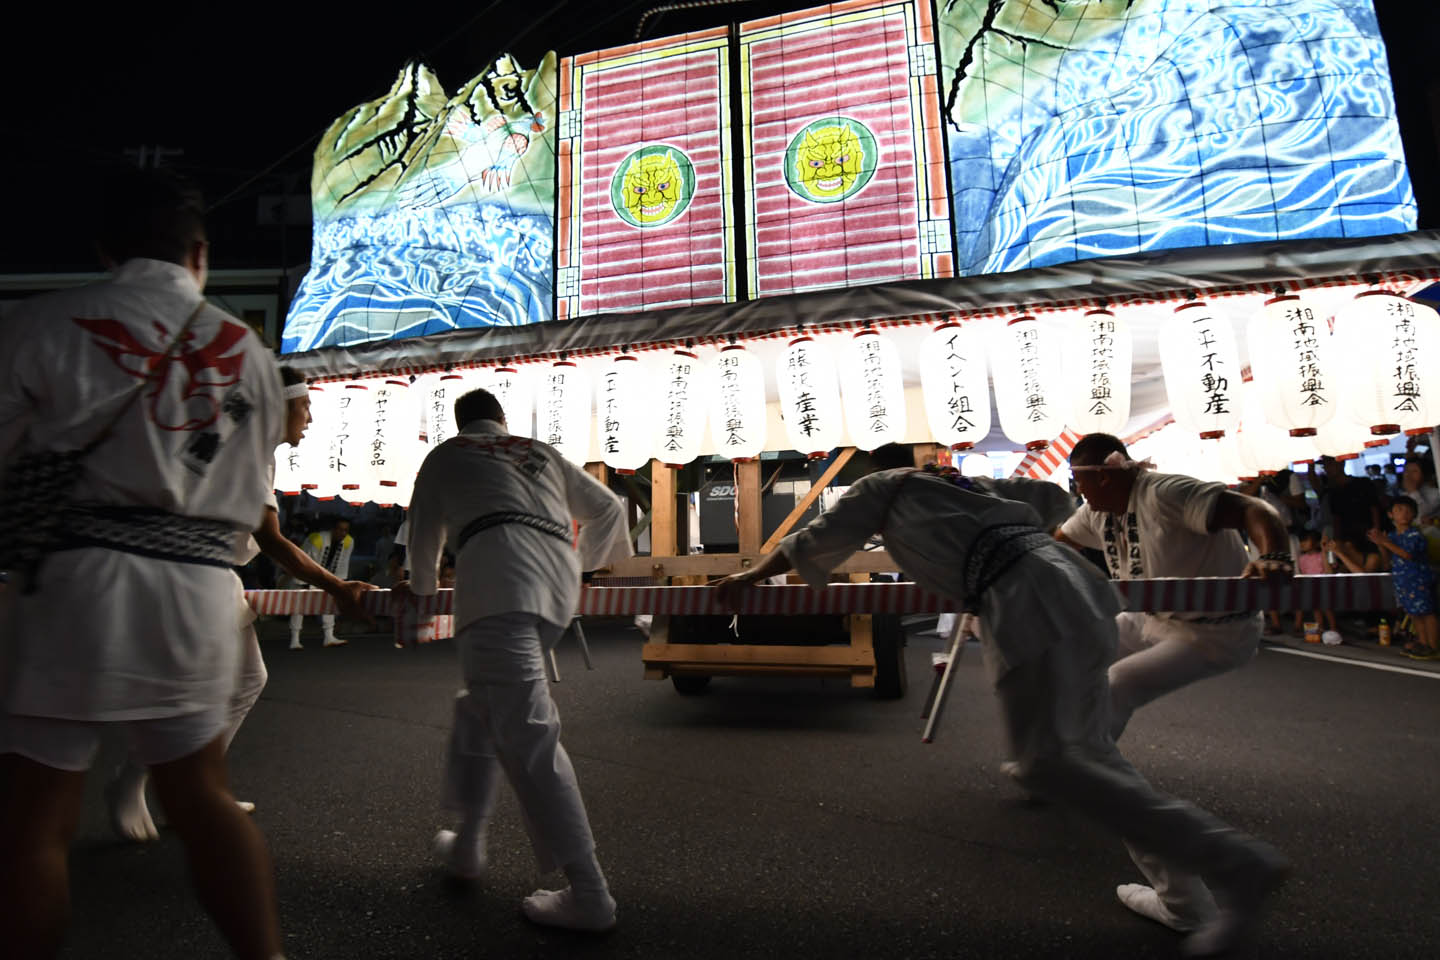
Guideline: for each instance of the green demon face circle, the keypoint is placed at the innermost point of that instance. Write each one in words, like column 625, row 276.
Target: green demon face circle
column 652, row 186
column 831, row 159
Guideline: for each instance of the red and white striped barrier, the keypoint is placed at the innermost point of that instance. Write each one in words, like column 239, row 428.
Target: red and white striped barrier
column 1357, row 591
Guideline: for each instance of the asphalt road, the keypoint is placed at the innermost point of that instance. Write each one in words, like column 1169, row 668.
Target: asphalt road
column 795, row 818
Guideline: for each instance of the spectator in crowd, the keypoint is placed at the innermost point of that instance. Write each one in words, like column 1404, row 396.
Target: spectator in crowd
column 1311, row 561
column 1353, row 507
column 1419, row 485
column 1413, row 575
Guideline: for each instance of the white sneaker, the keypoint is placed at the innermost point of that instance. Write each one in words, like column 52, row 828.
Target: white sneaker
column 1146, row 902
column 560, row 908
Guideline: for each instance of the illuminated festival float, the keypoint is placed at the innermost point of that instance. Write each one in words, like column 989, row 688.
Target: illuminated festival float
column 717, row 264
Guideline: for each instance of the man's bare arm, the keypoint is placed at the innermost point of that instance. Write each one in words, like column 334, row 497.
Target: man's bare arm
column 1060, row 535
column 733, row 587
column 1235, row 511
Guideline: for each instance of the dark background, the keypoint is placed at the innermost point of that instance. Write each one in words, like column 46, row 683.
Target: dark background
column 243, row 93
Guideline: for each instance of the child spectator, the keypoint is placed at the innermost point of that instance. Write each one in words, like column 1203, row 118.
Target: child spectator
column 1414, row 578
column 1311, row 562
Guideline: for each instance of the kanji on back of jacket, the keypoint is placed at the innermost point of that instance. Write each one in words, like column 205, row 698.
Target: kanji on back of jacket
column 747, row 250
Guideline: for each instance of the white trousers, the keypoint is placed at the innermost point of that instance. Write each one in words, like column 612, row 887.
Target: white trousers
column 327, row 621
column 1155, row 656
column 1057, row 711
column 506, row 721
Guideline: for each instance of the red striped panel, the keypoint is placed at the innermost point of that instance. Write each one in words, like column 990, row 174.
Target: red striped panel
column 812, row 70
column 1359, row 591
column 1039, row 464
column 674, row 100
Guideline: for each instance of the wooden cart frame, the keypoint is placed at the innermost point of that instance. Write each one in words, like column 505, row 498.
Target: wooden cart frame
column 662, row 658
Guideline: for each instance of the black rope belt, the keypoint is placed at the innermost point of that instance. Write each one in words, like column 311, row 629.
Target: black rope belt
column 994, row 551
column 560, row 531
column 147, row 532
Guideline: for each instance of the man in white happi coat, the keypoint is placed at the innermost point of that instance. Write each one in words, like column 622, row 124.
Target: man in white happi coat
column 1047, row 627
column 133, row 620
column 125, row 795
column 330, row 550
column 504, row 507
column 1168, row 525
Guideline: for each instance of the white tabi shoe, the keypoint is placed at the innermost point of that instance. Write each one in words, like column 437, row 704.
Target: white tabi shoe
column 245, row 806
column 295, row 642
column 1146, row 902
column 561, row 908
column 333, row 641
column 463, row 864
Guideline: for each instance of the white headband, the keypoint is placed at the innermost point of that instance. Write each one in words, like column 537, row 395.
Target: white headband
column 1117, row 461
column 295, row 391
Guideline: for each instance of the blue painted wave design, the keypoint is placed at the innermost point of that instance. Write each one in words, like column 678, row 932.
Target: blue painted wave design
column 1188, row 123
column 407, row 273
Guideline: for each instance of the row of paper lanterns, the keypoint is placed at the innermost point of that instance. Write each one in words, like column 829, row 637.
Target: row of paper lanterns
column 1377, row 374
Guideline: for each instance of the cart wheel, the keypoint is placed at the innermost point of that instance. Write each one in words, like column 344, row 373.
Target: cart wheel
column 888, row 637
column 690, row 685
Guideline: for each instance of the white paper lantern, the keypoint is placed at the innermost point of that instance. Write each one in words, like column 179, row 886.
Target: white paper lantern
column 513, row 389
column 1429, row 321
column 1341, row 438
column 1292, row 364
column 1201, row 361
column 1232, row 460
column 955, row 385
column 1384, row 341
column 394, row 449
column 1207, row 462
column 872, row 391
column 624, row 406
column 438, row 393
column 1029, row 390
column 1097, row 373
column 349, row 443
column 287, row 470
column 1261, row 442
column 809, row 397
column 562, row 416
column 316, row 477
column 682, row 415
column 737, row 407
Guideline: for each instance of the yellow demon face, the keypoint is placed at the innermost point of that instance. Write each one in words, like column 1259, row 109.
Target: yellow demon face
column 652, row 187
column 829, row 160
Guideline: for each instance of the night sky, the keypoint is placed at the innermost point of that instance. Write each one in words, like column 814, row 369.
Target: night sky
column 245, row 90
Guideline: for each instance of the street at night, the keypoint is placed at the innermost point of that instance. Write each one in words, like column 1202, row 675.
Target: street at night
column 773, row 817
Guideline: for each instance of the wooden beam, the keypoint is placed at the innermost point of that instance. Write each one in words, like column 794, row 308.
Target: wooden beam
column 662, row 510
column 862, row 637
column 598, row 471
column 748, row 520
column 810, row 497
column 754, row 655
column 719, row 564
